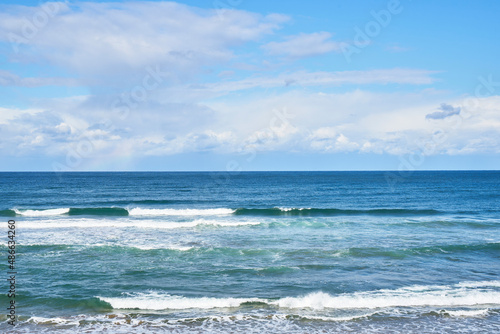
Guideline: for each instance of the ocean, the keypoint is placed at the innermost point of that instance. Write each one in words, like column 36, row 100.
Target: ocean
column 252, row 252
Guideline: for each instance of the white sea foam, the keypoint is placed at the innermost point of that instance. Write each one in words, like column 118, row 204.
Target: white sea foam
column 290, row 209
column 481, row 284
column 225, row 223
column 130, row 223
column 160, row 301
column 41, row 213
column 53, row 321
column 179, row 212
column 423, row 296
column 69, row 223
column 172, row 247
column 74, row 242
column 337, row 318
column 468, row 313
column 247, row 323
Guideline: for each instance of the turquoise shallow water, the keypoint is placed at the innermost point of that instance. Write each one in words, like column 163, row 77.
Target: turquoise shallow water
column 295, row 252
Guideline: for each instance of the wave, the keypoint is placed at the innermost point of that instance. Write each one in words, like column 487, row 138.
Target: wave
column 160, row 301
column 138, row 211
column 180, row 212
column 112, row 211
column 332, row 212
column 41, row 213
column 115, row 211
column 414, row 296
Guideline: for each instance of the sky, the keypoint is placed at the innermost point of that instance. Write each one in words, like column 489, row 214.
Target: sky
column 247, row 85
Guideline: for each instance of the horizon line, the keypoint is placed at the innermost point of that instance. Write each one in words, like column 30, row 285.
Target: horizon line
column 253, row 171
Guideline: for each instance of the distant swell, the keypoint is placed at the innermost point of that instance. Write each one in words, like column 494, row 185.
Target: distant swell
column 332, row 212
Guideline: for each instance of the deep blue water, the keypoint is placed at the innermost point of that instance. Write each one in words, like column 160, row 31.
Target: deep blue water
column 263, row 252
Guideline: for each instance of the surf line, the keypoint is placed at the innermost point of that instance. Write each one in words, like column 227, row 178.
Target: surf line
column 11, row 273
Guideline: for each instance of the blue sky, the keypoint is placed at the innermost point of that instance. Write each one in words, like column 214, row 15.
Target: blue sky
column 234, row 85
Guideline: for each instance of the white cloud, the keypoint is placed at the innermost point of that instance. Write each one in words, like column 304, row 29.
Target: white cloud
column 8, row 114
column 329, row 140
column 208, row 140
column 109, row 38
column 303, row 45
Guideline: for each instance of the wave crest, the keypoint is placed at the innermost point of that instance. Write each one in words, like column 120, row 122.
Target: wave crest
column 413, row 296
